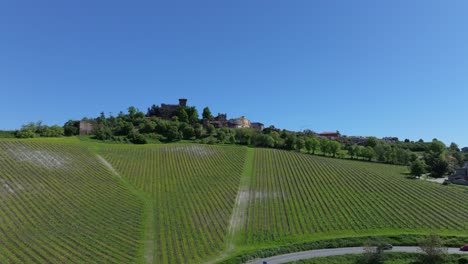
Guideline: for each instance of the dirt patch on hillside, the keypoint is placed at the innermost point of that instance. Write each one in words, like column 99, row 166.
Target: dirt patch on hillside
column 43, row 158
column 239, row 214
column 108, row 165
column 198, row 151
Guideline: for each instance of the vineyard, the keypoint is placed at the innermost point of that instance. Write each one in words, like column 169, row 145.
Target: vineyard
column 58, row 204
column 192, row 188
column 66, row 201
column 298, row 197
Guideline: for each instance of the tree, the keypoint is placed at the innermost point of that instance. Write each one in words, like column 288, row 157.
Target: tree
column 300, row 143
column 334, row 147
column 325, row 145
column 373, row 253
column 290, row 142
column 71, row 128
column 182, row 115
column 433, row 248
column 192, row 115
column 210, row 129
column 439, row 167
column 368, row 153
column 207, row 114
column 418, row 167
column 371, row 142
column 454, row 147
column 437, row 147
column 312, row 144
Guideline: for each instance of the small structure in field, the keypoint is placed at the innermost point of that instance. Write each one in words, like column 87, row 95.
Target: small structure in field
column 460, row 176
column 86, row 127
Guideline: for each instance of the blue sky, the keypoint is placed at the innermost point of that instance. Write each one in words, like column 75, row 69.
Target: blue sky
column 383, row 68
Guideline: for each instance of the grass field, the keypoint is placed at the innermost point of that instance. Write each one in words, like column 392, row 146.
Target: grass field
column 58, row 204
column 66, row 200
column 298, row 197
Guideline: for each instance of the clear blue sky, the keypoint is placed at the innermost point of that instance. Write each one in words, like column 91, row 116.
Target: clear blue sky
column 383, row 68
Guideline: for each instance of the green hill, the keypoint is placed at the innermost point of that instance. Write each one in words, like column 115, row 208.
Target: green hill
column 63, row 200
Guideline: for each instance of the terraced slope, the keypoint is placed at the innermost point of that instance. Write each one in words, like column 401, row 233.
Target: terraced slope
column 299, row 197
column 59, row 204
column 193, row 190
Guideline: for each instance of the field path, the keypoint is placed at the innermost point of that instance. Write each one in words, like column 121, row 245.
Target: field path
column 238, row 216
column 149, row 213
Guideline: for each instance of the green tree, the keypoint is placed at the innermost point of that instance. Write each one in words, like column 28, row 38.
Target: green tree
column 334, row 147
column 210, row 129
column 371, row 142
column 418, row 167
column 325, row 145
column 368, row 153
column 192, row 115
column 71, row 128
column 207, row 113
column 439, row 167
column 434, row 250
column 300, row 143
column 437, row 147
column 182, row 115
column 290, row 141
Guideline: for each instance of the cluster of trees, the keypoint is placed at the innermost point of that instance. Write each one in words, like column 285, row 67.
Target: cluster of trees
column 438, row 160
column 37, row 129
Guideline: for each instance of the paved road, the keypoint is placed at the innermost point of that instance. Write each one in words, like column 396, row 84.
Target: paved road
column 334, row 252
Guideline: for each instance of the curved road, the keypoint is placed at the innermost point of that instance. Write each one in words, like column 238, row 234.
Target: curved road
column 335, row 252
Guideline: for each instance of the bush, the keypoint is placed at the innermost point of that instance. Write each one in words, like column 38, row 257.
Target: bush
column 463, row 261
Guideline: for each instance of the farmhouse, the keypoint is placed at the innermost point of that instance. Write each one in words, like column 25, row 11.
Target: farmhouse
column 330, row 135
column 460, row 176
column 86, row 127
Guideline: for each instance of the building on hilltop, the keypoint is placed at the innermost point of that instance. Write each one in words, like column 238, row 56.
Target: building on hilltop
column 240, row 122
column 86, row 127
column 330, row 135
column 258, row 126
column 167, row 111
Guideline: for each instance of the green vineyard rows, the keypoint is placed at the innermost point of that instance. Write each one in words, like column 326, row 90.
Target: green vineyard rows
column 67, row 201
column 298, row 197
column 193, row 189
column 59, row 204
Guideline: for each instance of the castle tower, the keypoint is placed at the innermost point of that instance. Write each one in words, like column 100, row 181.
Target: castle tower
column 182, row 102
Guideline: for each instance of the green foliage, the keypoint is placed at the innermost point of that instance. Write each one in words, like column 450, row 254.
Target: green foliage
column 334, row 147
column 207, row 113
column 7, row 134
column 32, row 130
column 418, row 167
column 71, row 128
column 434, row 250
column 439, row 167
column 312, row 144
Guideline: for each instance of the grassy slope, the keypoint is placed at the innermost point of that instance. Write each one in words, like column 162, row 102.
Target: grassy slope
column 297, row 197
column 193, row 190
column 60, row 204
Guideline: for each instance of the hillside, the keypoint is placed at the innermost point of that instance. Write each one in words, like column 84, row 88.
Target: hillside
column 65, row 200
column 59, row 204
